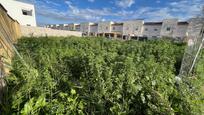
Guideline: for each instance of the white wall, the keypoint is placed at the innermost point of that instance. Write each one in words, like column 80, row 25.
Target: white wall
column 169, row 23
column 94, row 28
column 133, row 27
column 85, row 27
column 117, row 28
column 181, row 31
column 41, row 31
column 104, row 27
column 152, row 30
column 15, row 8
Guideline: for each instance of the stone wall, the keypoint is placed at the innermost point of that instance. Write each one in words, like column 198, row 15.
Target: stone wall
column 29, row 31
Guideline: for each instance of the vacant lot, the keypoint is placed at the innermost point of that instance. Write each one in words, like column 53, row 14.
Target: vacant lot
column 100, row 76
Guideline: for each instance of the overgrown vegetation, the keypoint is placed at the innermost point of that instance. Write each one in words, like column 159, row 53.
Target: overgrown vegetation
column 100, row 76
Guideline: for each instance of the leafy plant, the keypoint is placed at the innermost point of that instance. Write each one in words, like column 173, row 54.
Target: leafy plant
column 99, row 76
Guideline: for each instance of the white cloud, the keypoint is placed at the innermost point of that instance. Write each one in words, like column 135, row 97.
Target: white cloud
column 182, row 10
column 124, row 3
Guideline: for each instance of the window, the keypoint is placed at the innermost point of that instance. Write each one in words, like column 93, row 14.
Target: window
column 113, row 28
column 27, row 12
column 127, row 28
column 146, row 29
column 28, row 24
column 136, row 29
column 106, row 28
column 168, row 29
column 155, row 29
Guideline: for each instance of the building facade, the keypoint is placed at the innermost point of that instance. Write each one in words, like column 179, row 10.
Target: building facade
column 24, row 13
column 136, row 29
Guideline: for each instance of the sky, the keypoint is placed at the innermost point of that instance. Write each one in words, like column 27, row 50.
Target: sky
column 76, row 11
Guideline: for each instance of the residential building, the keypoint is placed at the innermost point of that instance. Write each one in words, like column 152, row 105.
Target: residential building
column 93, row 29
column 181, row 30
column 168, row 27
column 24, row 13
column 138, row 29
column 132, row 28
column 152, row 29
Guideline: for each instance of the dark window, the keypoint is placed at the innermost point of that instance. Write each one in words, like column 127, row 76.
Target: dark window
column 27, row 12
column 155, row 29
column 136, row 29
column 28, row 25
column 113, row 28
column 146, row 29
column 106, row 28
column 168, row 29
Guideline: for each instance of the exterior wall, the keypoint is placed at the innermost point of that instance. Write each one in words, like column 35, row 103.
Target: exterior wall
column 77, row 28
column 71, row 27
column 85, row 27
column 117, row 28
column 15, row 8
column 171, row 24
column 152, row 31
column 104, row 27
column 94, row 28
column 40, row 31
column 133, row 28
column 181, row 31
column 195, row 25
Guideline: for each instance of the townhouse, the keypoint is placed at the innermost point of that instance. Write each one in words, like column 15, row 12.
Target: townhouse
column 137, row 29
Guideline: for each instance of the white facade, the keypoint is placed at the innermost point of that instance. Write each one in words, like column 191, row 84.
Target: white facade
column 94, row 28
column 117, row 27
column 85, row 27
column 169, row 27
column 104, row 27
column 22, row 12
column 152, row 29
column 133, row 28
column 181, row 30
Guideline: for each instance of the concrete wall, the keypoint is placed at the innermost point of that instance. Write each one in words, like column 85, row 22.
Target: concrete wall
column 85, row 27
column 104, row 27
column 181, row 31
column 133, row 27
column 15, row 8
column 117, row 28
column 152, row 30
column 171, row 24
column 94, row 28
column 195, row 25
column 40, row 31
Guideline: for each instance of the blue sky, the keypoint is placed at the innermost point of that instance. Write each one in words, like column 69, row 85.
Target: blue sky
column 76, row 11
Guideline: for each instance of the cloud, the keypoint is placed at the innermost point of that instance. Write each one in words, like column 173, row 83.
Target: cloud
column 182, row 9
column 124, row 3
column 91, row 0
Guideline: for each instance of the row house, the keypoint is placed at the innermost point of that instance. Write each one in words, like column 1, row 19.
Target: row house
column 93, row 29
column 152, row 30
column 132, row 29
column 137, row 29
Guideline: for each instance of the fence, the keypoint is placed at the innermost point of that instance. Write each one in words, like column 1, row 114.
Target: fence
column 9, row 33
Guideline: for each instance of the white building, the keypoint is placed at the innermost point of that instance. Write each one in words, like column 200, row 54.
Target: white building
column 152, row 29
column 133, row 28
column 24, row 13
column 169, row 27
